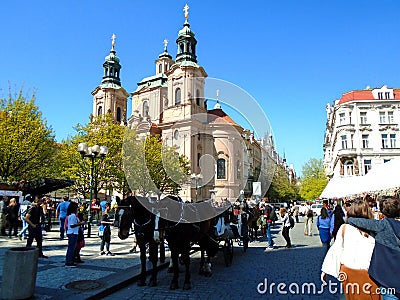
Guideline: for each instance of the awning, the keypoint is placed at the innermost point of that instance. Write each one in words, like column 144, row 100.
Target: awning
column 46, row 185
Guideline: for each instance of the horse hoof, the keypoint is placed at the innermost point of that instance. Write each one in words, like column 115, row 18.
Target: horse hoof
column 141, row 282
column 170, row 270
column 187, row 286
column 173, row 286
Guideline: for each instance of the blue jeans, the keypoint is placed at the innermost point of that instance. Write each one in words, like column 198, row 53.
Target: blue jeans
column 72, row 240
column 24, row 227
column 385, row 294
column 62, row 230
column 269, row 235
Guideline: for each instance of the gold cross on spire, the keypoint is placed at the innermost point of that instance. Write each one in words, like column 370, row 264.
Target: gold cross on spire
column 113, row 40
column 165, row 45
column 186, row 10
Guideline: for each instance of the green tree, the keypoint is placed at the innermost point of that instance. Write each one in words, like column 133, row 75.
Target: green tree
column 27, row 144
column 281, row 189
column 153, row 167
column 108, row 172
column 314, row 179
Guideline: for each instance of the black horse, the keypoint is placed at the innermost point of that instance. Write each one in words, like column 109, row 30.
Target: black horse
column 131, row 211
column 181, row 234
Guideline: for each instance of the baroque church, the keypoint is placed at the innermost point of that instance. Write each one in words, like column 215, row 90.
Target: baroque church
column 225, row 159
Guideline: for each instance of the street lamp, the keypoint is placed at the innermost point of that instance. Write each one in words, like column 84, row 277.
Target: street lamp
column 92, row 152
column 196, row 178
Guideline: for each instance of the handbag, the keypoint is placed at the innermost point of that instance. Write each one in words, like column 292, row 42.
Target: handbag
column 101, row 230
column 385, row 265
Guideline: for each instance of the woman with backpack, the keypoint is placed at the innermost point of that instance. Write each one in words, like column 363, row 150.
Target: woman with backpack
column 286, row 226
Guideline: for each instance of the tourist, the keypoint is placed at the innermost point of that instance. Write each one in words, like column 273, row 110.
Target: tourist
column 33, row 217
column 337, row 220
column 309, row 221
column 349, row 257
column 72, row 225
column 385, row 261
column 61, row 214
column 324, row 228
column 106, row 238
column 12, row 217
column 285, row 226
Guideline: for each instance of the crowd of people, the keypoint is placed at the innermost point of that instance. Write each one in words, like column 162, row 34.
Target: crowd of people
column 34, row 216
column 365, row 251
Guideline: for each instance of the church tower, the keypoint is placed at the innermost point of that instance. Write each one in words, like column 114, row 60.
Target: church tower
column 110, row 96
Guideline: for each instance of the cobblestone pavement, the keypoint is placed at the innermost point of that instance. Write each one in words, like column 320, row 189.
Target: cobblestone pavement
column 112, row 276
column 255, row 274
column 95, row 275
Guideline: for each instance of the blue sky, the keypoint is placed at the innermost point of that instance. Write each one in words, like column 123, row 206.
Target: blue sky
column 293, row 57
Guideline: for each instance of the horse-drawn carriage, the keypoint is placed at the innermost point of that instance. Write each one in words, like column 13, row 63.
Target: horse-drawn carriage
column 173, row 221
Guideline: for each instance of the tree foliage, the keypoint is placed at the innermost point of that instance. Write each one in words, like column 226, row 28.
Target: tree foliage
column 281, row 188
column 27, row 144
column 152, row 167
column 314, row 179
column 107, row 173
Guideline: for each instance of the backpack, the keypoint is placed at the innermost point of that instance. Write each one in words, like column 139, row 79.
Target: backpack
column 291, row 220
column 271, row 214
column 310, row 213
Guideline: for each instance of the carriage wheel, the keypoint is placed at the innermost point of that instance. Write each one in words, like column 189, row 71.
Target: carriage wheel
column 228, row 252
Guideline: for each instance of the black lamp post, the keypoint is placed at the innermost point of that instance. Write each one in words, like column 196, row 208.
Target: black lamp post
column 92, row 152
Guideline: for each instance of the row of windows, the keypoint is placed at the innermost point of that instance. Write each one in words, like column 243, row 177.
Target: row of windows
column 349, row 166
column 388, row 141
column 119, row 112
column 385, row 117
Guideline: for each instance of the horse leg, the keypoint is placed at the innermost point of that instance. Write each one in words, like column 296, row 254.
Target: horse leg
column 175, row 266
column 142, row 276
column 202, row 262
column 153, row 250
column 162, row 250
column 186, row 259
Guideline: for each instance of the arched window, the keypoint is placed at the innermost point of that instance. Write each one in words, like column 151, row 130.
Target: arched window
column 100, row 111
column 178, row 96
column 145, row 109
column 160, row 68
column 118, row 114
column 349, row 168
column 198, row 97
column 221, row 168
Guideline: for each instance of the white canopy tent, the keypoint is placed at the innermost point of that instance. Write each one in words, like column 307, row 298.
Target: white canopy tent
column 383, row 177
column 339, row 187
column 380, row 177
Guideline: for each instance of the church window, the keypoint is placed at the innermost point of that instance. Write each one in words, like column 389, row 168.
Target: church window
column 118, row 114
column 176, row 134
column 145, row 108
column 160, row 68
column 178, row 96
column 100, row 111
column 181, row 48
column 221, row 168
column 198, row 97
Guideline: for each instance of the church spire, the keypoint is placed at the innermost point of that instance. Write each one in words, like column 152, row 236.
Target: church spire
column 186, row 41
column 112, row 66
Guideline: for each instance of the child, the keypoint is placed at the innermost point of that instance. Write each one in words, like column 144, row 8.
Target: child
column 106, row 238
